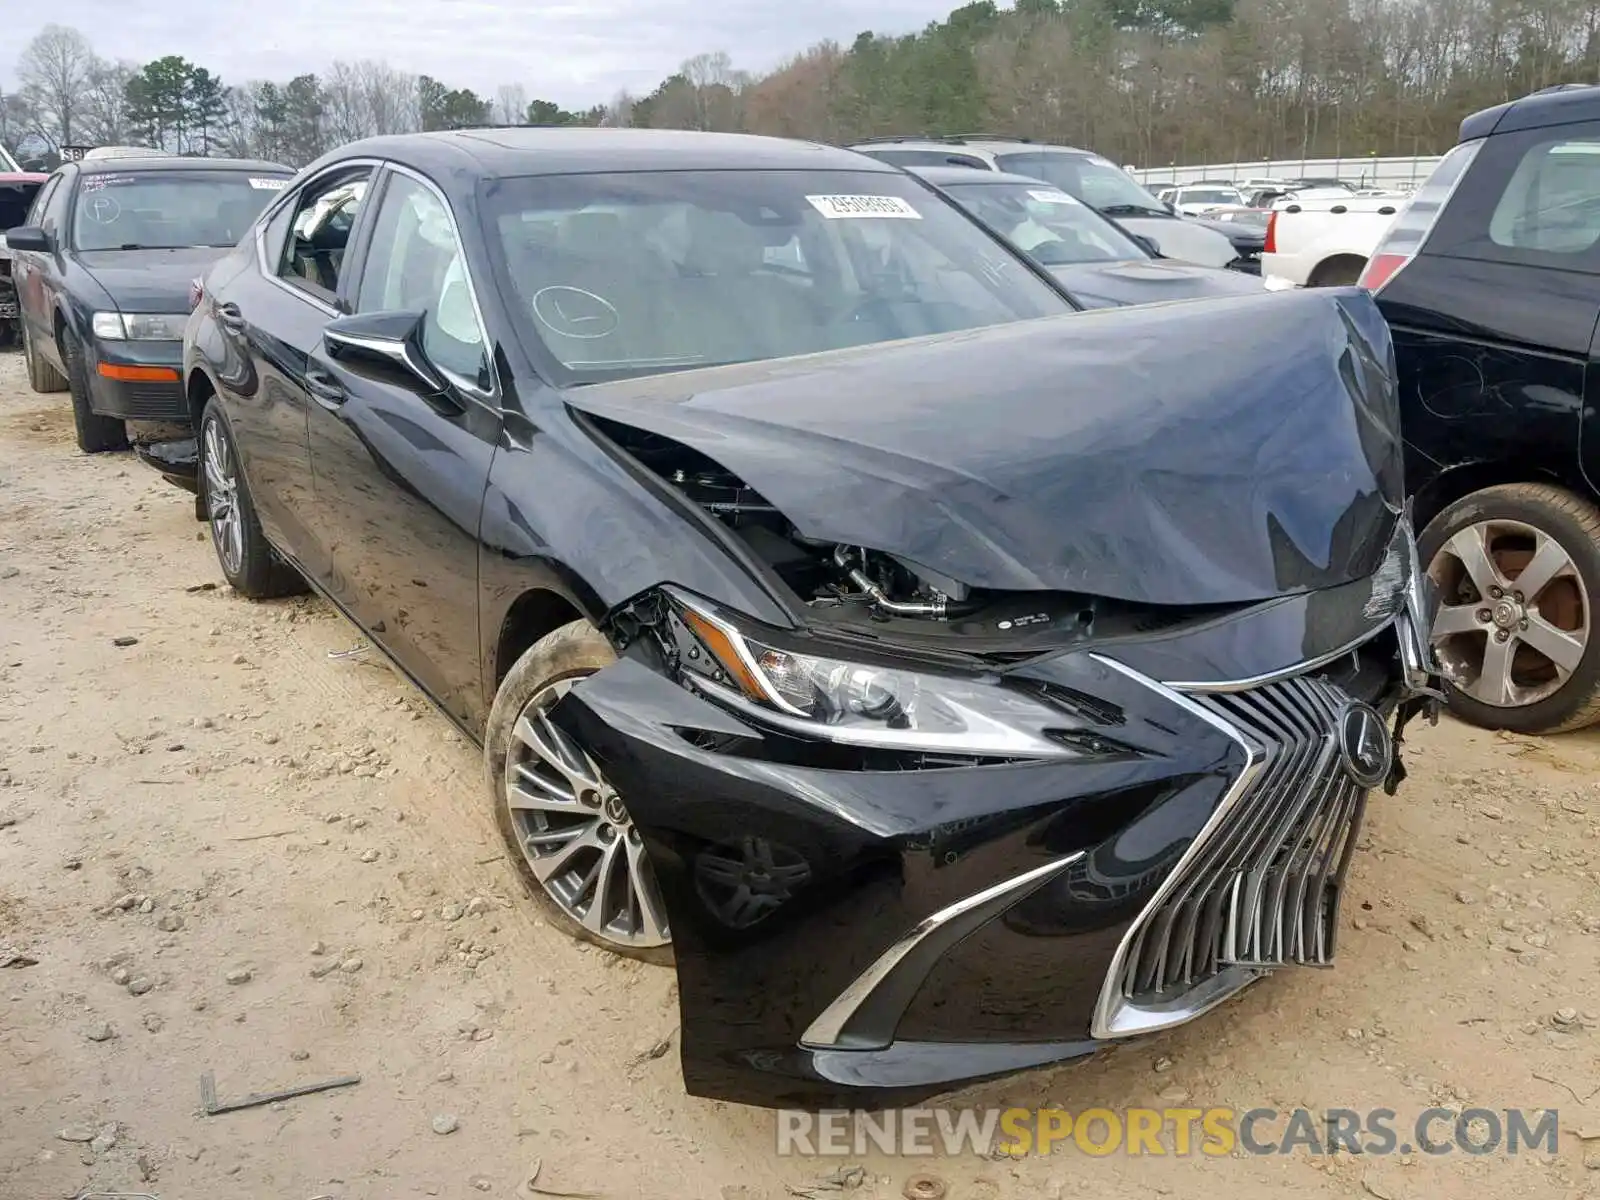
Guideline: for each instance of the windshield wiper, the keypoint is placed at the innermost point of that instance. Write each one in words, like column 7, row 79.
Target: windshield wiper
column 1132, row 210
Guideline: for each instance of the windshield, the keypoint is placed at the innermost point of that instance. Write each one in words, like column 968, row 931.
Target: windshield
column 631, row 274
column 1046, row 223
column 165, row 210
column 1210, row 196
column 1095, row 181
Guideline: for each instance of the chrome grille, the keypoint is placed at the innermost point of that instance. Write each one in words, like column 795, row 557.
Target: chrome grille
column 1263, row 890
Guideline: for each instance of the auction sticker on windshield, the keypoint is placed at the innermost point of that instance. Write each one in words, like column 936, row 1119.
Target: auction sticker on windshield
column 1052, row 197
column 835, row 207
column 268, row 185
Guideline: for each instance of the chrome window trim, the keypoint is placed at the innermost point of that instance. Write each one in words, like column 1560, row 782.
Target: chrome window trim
column 826, row 1030
column 1115, row 1016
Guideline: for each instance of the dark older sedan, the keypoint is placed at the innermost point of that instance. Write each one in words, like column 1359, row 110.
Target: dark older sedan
column 1099, row 264
column 102, row 270
column 948, row 681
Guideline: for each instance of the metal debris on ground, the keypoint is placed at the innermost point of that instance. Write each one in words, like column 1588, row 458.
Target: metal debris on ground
column 924, row 1187
column 355, row 651
column 212, row 1106
column 840, row 1179
column 533, row 1185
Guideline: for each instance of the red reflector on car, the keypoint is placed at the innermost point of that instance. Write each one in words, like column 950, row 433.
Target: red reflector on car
column 128, row 374
column 1380, row 269
column 1271, row 244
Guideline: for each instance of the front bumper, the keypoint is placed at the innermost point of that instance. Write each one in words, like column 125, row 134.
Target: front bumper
column 177, row 460
column 141, row 399
column 938, row 925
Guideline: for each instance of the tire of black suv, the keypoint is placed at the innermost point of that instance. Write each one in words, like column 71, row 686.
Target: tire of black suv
column 570, row 652
column 96, row 434
column 1573, row 523
column 248, row 561
column 42, row 377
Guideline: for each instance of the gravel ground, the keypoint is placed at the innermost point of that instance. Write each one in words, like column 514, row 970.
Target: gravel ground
column 229, row 852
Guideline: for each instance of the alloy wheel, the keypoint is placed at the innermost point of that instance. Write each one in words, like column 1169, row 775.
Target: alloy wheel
column 222, row 497
column 1514, row 614
column 575, row 831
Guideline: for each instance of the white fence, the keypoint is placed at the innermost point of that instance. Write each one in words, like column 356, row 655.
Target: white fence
column 1366, row 171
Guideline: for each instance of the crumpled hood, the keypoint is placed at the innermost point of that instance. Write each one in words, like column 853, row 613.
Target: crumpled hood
column 151, row 281
column 1145, row 281
column 1219, row 452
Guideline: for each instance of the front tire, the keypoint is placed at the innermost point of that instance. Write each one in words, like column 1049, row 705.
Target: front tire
column 96, row 434
column 248, row 562
column 567, row 829
column 42, row 377
column 1517, row 568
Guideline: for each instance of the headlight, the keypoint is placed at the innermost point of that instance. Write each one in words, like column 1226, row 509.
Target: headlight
column 870, row 705
column 139, row 327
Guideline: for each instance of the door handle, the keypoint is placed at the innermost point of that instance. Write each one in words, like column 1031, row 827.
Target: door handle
column 324, row 388
column 229, row 317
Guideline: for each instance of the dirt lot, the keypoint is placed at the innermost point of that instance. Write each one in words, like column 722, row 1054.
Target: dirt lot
column 229, row 852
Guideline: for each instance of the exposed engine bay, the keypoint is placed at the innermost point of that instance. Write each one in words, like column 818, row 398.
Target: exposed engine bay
column 879, row 593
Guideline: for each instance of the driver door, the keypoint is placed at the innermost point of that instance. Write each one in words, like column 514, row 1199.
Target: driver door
column 399, row 468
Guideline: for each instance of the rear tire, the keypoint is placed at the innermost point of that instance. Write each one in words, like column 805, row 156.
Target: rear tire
column 96, row 434
column 248, row 561
column 42, row 377
column 1549, row 654
column 1343, row 271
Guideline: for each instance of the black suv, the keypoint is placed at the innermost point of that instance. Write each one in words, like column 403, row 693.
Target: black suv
column 1490, row 281
column 102, row 271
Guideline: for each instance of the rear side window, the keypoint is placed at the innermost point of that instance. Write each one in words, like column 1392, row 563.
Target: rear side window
column 1533, row 199
column 1552, row 201
column 325, row 213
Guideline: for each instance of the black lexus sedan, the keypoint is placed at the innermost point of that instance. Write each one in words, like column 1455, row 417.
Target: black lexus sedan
column 1099, row 264
column 946, row 681
column 102, row 271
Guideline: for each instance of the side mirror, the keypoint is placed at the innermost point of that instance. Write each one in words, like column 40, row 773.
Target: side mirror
column 392, row 339
column 28, row 237
column 1150, row 245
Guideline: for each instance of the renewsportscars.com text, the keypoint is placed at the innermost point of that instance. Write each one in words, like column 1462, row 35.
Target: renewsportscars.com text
column 1178, row 1132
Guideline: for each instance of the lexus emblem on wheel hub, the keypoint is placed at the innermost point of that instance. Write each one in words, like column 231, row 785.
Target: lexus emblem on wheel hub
column 1365, row 744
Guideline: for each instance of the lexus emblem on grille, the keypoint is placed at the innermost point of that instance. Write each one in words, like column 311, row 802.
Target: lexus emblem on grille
column 1365, row 744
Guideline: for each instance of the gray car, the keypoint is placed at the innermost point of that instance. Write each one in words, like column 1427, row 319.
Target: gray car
column 1096, row 181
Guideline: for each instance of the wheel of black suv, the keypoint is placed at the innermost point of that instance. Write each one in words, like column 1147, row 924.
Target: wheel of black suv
column 1518, row 573
column 248, row 561
column 42, row 377
column 96, row 434
column 567, row 828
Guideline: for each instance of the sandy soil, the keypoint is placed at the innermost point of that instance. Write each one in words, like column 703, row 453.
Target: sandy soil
column 267, row 846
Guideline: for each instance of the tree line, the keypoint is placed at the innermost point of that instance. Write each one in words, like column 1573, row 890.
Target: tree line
column 1149, row 82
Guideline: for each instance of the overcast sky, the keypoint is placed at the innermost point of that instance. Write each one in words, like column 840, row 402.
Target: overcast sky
column 576, row 52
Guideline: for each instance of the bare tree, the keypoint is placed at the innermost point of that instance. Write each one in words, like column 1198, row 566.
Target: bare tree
column 55, row 68
column 511, row 104
column 105, row 102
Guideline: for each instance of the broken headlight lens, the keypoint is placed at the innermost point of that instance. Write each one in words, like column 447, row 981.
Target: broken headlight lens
column 871, row 705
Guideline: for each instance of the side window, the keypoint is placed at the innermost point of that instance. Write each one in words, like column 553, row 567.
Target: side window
column 1552, row 201
column 324, row 214
column 415, row 264
column 277, row 231
column 1530, row 198
column 36, row 212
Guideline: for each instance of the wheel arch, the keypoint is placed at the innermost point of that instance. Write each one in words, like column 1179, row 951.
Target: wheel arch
column 1334, row 261
column 198, row 388
column 1456, row 483
column 538, row 610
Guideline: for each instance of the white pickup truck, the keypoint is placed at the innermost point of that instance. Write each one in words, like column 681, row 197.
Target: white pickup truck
column 1325, row 241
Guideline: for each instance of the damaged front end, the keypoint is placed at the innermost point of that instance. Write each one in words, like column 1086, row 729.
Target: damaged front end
column 1087, row 685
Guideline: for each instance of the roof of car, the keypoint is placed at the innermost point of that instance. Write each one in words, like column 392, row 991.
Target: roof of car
column 942, row 176
column 173, row 162
column 974, row 141
column 1550, row 106
column 573, row 150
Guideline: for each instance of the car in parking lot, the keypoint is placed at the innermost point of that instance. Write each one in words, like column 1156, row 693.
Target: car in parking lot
column 1490, row 280
column 1096, row 181
column 1099, row 265
column 102, row 267
column 841, row 614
